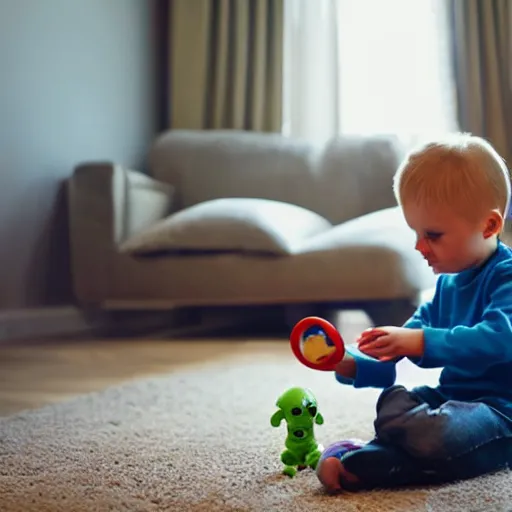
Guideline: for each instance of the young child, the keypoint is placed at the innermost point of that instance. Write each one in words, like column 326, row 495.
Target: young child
column 455, row 194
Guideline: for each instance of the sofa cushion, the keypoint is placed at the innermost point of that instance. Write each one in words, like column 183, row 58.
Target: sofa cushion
column 230, row 225
column 385, row 229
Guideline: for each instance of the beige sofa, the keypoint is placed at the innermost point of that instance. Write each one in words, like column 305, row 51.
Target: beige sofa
column 232, row 218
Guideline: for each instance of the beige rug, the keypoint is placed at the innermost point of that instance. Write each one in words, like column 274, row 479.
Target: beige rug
column 201, row 440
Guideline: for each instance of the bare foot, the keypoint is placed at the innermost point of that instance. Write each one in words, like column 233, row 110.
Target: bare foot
column 331, row 473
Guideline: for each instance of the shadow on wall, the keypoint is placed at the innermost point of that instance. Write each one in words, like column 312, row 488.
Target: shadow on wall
column 50, row 269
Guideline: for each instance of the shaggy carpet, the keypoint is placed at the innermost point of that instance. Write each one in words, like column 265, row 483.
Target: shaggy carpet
column 199, row 440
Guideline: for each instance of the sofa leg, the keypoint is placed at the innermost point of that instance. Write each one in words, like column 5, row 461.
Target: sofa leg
column 391, row 312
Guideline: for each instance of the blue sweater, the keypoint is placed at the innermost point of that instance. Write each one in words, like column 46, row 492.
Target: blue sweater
column 467, row 331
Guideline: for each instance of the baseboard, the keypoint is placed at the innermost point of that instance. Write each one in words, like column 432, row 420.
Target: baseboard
column 42, row 322
column 70, row 322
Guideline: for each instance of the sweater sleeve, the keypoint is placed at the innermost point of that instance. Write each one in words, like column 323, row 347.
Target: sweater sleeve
column 370, row 372
column 423, row 316
column 420, row 318
column 480, row 346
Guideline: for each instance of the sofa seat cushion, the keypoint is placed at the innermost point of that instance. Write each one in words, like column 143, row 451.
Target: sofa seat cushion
column 376, row 250
column 385, row 228
column 369, row 258
column 247, row 225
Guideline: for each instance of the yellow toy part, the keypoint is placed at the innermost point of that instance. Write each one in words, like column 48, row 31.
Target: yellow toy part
column 316, row 349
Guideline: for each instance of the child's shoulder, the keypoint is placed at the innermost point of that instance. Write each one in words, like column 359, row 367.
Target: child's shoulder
column 504, row 251
column 503, row 259
column 500, row 270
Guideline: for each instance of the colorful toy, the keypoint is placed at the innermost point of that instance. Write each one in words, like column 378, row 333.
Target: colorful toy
column 317, row 344
column 298, row 407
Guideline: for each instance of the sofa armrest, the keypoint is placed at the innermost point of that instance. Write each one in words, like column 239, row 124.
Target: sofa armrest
column 107, row 203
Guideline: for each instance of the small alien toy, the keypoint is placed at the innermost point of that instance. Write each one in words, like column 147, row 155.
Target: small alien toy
column 298, row 407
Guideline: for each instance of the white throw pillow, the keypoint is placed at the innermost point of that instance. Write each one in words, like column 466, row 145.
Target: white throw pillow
column 230, row 225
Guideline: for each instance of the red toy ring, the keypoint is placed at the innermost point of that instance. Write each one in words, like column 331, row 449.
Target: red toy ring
column 325, row 341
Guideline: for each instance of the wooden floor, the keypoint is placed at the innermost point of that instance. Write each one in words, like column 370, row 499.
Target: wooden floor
column 38, row 374
column 33, row 376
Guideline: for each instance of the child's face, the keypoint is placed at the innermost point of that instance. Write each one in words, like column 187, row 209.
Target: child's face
column 449, row 242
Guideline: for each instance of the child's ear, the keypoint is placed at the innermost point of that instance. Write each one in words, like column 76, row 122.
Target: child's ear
column 493, row 225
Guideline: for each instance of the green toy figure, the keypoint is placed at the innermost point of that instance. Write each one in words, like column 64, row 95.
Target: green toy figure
column 298, row 407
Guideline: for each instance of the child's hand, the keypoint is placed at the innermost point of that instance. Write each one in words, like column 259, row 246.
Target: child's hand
column 388, row 343
column 347, row 367
column 371, row 335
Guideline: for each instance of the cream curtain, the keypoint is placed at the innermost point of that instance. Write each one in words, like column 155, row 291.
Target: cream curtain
column 225, row 64
column 482, row 53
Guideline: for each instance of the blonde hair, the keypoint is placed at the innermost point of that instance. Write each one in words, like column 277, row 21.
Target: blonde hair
column 462, row 171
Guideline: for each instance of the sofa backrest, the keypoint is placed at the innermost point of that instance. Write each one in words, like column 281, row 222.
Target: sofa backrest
column 343, row 179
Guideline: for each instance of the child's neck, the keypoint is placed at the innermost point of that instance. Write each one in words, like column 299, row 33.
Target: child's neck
column 488, row 250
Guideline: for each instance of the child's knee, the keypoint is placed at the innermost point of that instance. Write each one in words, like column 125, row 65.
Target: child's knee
column 404, row 420
column 395, row 401
column 395, row 409
column 423, row 433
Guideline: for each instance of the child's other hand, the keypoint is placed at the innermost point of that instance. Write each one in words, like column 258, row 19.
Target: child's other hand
column 388, row 343
column 347, row 367
column 370, row 335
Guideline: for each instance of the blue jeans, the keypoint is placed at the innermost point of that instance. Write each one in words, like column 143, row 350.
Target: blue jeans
column 422, row 439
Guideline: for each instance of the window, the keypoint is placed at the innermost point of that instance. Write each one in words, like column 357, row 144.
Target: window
column 367, row 67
